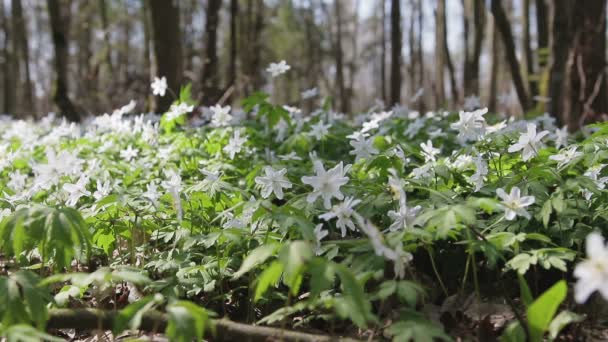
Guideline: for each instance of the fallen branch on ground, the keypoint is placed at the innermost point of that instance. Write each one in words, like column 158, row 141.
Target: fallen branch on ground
column 155, row 321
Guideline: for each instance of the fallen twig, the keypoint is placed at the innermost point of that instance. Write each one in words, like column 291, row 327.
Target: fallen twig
column 155, row 321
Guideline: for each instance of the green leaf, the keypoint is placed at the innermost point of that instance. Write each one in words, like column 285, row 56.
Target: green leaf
column 270, row 276
column 294, row 257
column 187, row 321
column 132, row 315
column 524, row 290
column 542, row 310
column 514, row 332
column 561, row 321
column 255, row 258
column 419, row 330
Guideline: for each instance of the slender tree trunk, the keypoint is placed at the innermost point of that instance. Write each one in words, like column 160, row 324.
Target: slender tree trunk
column 338, row 55
column 527, row 55
column 383, row 50
column 475, row 13
column 256, row 46
column 234, row 12
column 8, row 95
column 496, row 59
column 22, row 44
column 542, row 29
column 448, row 60
column 504, row 27
column 440, row 54
column 107, row 50
column 395, row 52
column 211, row 77
column 420, row 52
column 84, row 55
column 59, row 31
column 414, row 84
column 578, row 75
column 167, row 47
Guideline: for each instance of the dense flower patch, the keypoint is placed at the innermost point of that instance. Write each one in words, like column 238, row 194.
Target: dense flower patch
column 267, row 214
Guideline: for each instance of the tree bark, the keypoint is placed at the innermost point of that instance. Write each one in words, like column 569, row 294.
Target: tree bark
column 448, row 60
column 211, row 77
column 155, row 321
column 383, row 50
column 8, row 94
column 440, row 54
column 578, row 77
column 395, row 52
column 107, row 52
column 528, row 60
column 59, row 31
column 504, row 28
column 476, row 10
column 167, row 47
column 542, row 29
column 21, row 51
column 339, row 59
column 496, row 61
column 234, row 12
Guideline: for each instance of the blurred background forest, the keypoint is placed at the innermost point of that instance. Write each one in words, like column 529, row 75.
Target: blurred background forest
column 79, row 57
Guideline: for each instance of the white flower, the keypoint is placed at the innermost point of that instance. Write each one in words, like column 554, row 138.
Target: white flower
column 319, row 130
column 159, row 86
column 310, row 93
column 152, row 193
column 471, row 102
column 561, row 137
column 326, row 183
column 320, row 233
column 235, row 144
column 221, row 116
column 363, row 148
column 129, row 153
column 513, row 204
column 103, row 189
column 404, row 218
column 173, row 185
column 471, row 125
column 429, row 151
column 414, row 127
column 274, row 181
column 343, row 213
column 276, row 69
column 566, row 156
column 592, row 273
column 17, row 181
column 76, row 191
column 177, row 110
column 529, row 142
column 480, row 172
column 290, row 156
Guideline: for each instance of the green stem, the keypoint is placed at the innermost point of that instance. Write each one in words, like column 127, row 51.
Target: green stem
column 445, row 291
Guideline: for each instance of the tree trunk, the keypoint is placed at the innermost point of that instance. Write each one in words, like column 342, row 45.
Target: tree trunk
column 504, row 27
column 496, row 61
column 440, row 54
column 107, row 49
column 211, row 77
column 59, row 31
column 338, row 55
column 448, row 60
column 167, row 47
column 578, row 77
column 395, row 52
column 383, row 50
column 84, row 55
column 22, row 51
column 8, row 95
column 234, row 12
column 542, row 29
column 527, row 55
